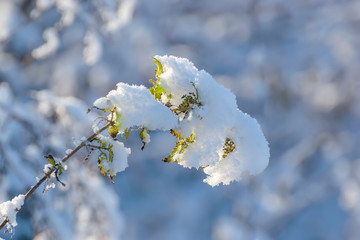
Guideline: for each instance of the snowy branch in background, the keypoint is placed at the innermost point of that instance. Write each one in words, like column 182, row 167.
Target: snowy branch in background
column 49, row 47
column 93, row 48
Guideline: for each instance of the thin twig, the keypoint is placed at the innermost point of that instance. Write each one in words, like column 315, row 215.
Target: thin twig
column 53, row 168
column 3, row 223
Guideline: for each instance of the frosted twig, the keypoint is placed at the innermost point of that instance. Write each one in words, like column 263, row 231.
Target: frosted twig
column 53, row 168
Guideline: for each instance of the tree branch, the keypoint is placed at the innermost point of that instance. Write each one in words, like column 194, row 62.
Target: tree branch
column 53, row 168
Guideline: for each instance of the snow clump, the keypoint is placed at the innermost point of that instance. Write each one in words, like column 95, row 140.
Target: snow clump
column 118, row 161
column 228, row 143
column 137, row 107
column 9, row 209
column 213, row 134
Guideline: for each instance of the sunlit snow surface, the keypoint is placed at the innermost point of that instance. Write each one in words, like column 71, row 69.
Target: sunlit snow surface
column 217, row 119
column 137, row 107
column 120, row 156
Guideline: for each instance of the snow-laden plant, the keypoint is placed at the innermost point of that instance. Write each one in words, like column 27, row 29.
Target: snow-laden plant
column 212, row 133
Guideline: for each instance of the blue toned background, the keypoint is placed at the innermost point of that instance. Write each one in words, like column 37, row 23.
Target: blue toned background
column 293, row 65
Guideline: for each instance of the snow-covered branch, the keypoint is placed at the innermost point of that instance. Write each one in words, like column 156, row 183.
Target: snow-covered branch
column 9, row 209
column 212, row 133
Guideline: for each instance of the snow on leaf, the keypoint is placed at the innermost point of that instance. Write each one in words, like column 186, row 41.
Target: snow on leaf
column 113, row 156
column 145, row 137
column 157, row 90
column 126, row 133
column 228, row 147
column 159, row 69
column 137, row 107
column 115, row 124
column 228, row 142
column 221, row 140
column 180, row 147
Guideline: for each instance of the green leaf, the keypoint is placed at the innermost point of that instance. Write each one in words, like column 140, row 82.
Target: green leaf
column 101, row 158
column 111, row 153
column 105, row 157
column 187, row 141
column 176, row 134
column 189, row 101
column 113, row 131
column 51, row 161
column 176, row 150
column 228, row 147
column 159, row 90
column 191, row 138
column 181, row 145
column 126, row 133
column 156, row 89
column 115, row 124
column 60, row 168
column 143, row 134
column 159, row 70
column 152, row 90
column 103, row 148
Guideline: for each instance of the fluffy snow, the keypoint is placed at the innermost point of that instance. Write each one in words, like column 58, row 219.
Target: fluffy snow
column 9, row 209
column 214, row 118
column 251, row 154
column 217, row 119
column 146, row 138
column 102, row 103
column 47, row 168
column 178, row 72
column 137, row 107
column 76, row 142
column 48, row 186
column 120, row 155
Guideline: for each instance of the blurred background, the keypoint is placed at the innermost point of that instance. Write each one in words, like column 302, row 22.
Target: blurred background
column 293, row 65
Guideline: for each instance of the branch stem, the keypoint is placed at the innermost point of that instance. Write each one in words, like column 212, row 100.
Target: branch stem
column 48, row 173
